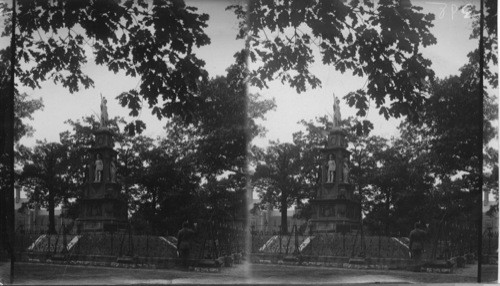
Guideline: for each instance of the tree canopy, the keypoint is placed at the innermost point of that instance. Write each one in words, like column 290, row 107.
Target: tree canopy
column 381, row 42
column 154, row 41
column 45, row 176
column 278, row 178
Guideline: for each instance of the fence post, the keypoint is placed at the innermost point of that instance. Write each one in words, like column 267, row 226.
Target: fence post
column 129, row 252
column 238, row 240
column 490, row 235
column 111, row 244
column 57, row 242
column 379, row 243
column 311, row 240
column 147, row 244
column 297, row 250
column 280, row 237
column 343, row 243
column 65, row 242
column 77, row 249
column 48, row 244
column 121, row 244
column 252, row 237
column 214, row 238
column 230, row 238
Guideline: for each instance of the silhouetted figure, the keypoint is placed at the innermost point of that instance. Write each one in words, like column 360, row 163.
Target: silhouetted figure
column 184, row 241
column 417, row 239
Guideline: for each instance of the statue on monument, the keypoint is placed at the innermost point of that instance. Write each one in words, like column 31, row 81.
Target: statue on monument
column 331, row 169
column 99, row 166
column 112, row 171
column 336, row 112
column 104, row 112
column 346, row 172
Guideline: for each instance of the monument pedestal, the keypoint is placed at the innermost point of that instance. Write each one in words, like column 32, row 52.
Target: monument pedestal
column 104, row 207
column 335, row 209
column 101, row 225
column 337, row 215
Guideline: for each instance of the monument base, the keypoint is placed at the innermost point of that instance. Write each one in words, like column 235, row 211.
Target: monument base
column 330, row 226
column 103, row 225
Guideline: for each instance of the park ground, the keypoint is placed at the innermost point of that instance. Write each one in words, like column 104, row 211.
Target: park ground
column 44, row 274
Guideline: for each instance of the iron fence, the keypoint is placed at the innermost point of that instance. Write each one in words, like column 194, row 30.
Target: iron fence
column 217, row 239
column 450, row 241
column 211, row 240
column 328, row 244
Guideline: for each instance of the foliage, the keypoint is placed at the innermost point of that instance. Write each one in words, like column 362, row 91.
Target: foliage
column 490, row 73
column 199, row 169
column 194, row 170
column 44, row 175
column 309, row 143
column 162, row 187
column 381, row 43
column 153, row 41
column 278, row 178
column 225, row 199
column 24, row 107
column 448, row 142
column 208, row 158
column 364, row 165
column 400, row 187
column 490, row 179
column 490, row 38
column 453, row 136
column 450, row 126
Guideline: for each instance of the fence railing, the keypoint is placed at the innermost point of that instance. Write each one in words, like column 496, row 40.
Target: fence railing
column 216, row 239
column 490, row 242
column 437, row 246
column 211, row 240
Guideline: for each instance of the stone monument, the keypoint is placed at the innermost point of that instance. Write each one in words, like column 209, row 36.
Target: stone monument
column 335, row 208
column 103, row 206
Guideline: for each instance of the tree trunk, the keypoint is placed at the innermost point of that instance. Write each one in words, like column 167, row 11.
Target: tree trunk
column 388, row 218
column 284, row 225
column 154, row 220
column 52, row 220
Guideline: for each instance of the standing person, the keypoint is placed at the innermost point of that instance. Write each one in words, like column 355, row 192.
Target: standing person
column 184, row 241
column 417, row 239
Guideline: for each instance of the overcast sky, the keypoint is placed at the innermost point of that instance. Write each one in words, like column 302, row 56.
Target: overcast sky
column 451, row 29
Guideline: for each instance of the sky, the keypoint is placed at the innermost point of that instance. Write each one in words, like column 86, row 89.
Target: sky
column 452, row 30
column 60, row 105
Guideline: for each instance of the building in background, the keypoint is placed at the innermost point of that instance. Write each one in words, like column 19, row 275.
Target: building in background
column 490, row 221
column 269, row 219
column 34, row 219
